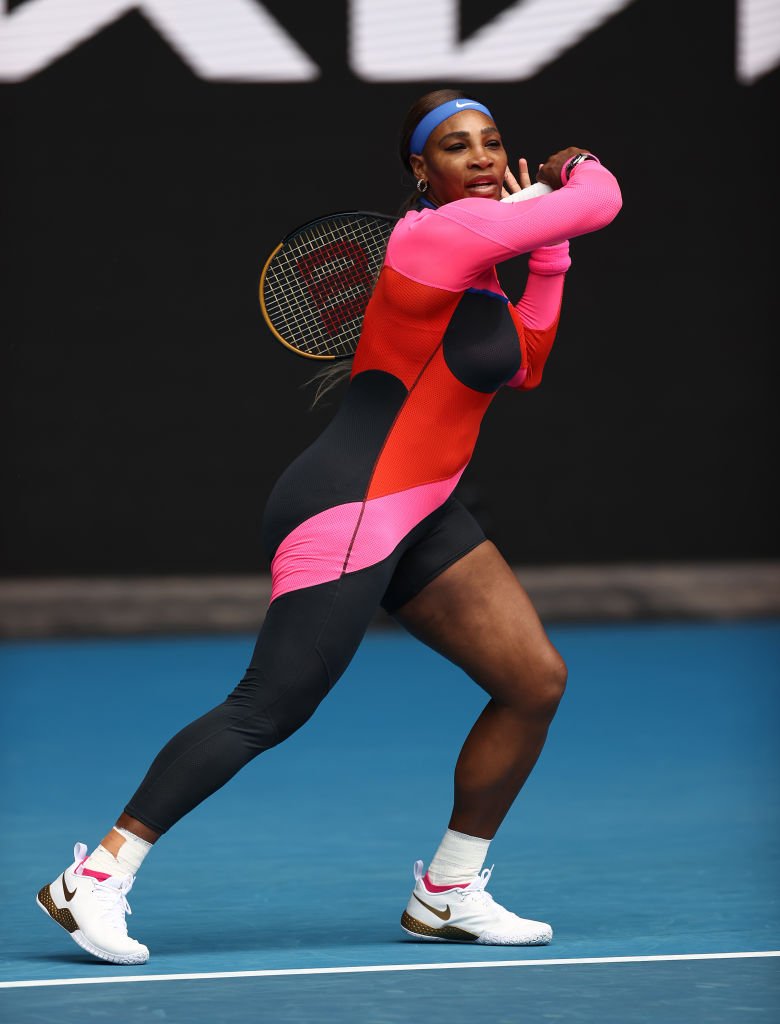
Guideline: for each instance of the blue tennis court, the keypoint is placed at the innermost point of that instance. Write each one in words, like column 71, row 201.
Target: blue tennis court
column 649, row 829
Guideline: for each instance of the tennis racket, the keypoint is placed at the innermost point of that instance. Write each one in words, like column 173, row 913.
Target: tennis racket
column 315, row 285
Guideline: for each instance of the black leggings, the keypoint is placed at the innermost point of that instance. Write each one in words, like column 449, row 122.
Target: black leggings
column 308, row 639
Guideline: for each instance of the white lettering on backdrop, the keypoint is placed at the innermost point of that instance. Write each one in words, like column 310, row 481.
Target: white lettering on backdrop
column 385, row 46
column 758, row 39
column 389, row 40
column 232, row 40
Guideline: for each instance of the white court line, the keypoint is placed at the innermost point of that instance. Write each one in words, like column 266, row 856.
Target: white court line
column 379, row 968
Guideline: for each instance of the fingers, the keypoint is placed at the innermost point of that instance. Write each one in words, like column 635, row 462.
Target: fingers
column 525, row 177
column 548, row 172
column 511, row 184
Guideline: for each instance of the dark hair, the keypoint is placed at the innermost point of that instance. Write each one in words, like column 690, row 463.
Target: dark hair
column 333, row 374
column 422, row 106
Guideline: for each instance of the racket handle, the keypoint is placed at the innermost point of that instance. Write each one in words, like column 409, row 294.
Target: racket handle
column 532, row 192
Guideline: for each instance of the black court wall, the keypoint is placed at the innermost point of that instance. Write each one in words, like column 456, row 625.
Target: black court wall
column 147, row 410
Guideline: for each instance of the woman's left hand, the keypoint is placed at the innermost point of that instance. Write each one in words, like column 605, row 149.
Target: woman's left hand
column 511, row 183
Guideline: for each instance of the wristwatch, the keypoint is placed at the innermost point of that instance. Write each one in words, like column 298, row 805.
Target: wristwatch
column 570, row 164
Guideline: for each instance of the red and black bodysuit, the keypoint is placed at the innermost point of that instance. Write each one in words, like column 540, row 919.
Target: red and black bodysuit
column 365, row 516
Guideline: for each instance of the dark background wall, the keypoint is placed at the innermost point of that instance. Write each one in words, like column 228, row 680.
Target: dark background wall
column 147, row 410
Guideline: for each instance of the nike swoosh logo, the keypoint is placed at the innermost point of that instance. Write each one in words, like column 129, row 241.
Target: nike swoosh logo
column 68, row 894
column 445, row 915
column 468, row 103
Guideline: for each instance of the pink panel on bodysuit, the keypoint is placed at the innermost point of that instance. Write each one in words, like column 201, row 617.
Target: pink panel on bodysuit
column 318, row 550
column 315, row 551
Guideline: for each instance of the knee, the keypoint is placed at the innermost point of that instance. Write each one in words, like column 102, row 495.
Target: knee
column 543, row 685
column 553, row 676
column 266, row 715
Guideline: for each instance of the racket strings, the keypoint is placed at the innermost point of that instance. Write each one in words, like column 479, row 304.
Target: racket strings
column 318, row 284
column 330, row 286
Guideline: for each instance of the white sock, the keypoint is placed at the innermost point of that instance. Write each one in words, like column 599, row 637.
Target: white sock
column 127, row 861
column 459, row 858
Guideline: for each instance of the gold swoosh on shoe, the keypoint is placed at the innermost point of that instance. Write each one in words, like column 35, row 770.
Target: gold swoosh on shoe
column 444, row 915
column 68, row 894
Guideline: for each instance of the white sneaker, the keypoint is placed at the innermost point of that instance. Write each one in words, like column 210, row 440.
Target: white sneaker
column 92, row 910
column 470, row 913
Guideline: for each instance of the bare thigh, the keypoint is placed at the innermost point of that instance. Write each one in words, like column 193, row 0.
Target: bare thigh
column 478, row 616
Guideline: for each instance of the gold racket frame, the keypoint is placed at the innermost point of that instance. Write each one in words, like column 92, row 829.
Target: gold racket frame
column 273, row 330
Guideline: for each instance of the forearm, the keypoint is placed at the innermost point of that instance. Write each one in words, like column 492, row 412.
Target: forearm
column 541, row 301
column 452, row 246
column 588, row 202
column 540, row 309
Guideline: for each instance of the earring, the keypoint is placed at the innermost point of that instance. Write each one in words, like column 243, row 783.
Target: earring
column 422, row 185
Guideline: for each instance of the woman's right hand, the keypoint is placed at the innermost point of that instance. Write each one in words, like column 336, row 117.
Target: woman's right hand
column 550, row 171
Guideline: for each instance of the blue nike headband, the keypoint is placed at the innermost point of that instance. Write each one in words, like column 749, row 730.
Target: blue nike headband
column 432, row 121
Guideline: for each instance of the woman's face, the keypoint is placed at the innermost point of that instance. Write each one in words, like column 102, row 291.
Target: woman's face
column 463, row 157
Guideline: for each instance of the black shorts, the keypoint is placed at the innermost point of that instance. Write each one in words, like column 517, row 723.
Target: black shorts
column 450, row 533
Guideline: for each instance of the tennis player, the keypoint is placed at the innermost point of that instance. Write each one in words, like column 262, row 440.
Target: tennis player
column 366, row 516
